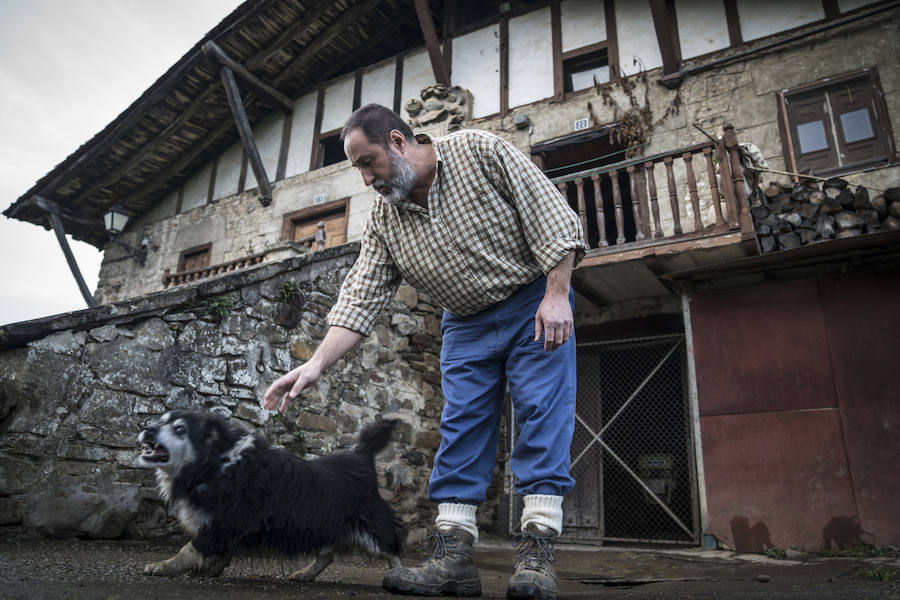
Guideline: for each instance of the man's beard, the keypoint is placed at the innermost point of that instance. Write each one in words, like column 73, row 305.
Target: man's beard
column 401, row 182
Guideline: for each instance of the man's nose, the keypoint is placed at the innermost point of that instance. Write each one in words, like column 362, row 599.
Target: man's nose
column 367, row 176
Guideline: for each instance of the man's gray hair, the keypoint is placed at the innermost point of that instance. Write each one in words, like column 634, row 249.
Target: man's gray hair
column 376, row 122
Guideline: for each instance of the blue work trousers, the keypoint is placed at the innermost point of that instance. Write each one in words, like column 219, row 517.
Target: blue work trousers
column 480, row 354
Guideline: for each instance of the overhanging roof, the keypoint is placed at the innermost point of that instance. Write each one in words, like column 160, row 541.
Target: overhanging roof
column 183, row 120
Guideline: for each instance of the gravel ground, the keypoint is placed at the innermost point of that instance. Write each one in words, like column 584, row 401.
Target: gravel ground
column 55, row 569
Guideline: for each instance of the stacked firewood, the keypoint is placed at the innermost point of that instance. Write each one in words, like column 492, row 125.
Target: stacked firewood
column 788, row 216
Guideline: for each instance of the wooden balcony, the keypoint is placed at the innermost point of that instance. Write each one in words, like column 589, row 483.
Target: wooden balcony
column 183, row 277
column 654, row 215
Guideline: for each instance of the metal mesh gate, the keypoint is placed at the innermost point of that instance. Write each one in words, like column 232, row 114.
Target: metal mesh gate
column 632, row 452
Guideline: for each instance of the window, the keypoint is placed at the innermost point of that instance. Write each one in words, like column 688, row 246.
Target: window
column 194, row 258
column 300, row 226
column 836, row 126
column 586, row 70
column 330, row 150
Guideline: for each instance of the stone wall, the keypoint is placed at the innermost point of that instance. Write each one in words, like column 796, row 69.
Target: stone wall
column 76, row 389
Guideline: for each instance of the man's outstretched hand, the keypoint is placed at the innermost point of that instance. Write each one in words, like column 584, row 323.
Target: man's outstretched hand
column 288, row 386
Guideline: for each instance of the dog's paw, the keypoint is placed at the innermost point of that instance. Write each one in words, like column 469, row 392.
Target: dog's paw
column 163, row 568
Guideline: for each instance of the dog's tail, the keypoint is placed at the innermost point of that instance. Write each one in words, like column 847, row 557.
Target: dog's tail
column 374, row 438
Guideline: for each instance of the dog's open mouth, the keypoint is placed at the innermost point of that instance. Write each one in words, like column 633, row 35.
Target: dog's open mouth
column 154, row 452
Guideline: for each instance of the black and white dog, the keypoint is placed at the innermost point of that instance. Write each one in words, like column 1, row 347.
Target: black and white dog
column 235, row 494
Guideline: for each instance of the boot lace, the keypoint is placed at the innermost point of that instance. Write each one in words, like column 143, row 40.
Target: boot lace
column 443, row 542
column 534, row 551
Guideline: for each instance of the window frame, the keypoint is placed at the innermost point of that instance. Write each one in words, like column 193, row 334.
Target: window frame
column 202, row 248
column 306, row 215
column 881, row 125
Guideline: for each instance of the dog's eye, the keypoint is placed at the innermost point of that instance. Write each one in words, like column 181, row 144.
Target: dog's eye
column 180, row 429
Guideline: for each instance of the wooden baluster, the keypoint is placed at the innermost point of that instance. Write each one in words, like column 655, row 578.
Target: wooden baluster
column 692, row 187
column 727, row 186
column 673, row 195
column 582, row 211
column 601, row 217
column 617, row 202
column 713, row 186
column 654, row 203
column 635, row 204
column 641, row 183
column 737, row 175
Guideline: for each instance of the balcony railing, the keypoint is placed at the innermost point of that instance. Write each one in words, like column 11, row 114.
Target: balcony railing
column 622, row 207
column 182, row 277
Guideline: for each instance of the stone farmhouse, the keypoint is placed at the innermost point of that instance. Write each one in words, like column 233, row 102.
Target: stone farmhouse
column 735, row 169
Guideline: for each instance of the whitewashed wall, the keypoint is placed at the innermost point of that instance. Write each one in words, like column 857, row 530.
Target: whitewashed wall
column 476, row 66
column 338, row 103
column 268, row 135
column 847, row 5
column 530, row 58
column 302, row 126
column 582, row 23
column 638, row 48
column 196, row 189
column 228, row 172
column 702, row 27
column 378, row 84
column 416, row 76
column 760, row 18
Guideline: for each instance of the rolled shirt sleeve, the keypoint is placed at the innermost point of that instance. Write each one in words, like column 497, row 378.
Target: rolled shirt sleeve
column 552, row 229
column 369, row 286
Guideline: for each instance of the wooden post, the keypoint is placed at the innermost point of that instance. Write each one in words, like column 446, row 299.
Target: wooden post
column 57, row 225
column 713, row 186
column 635, row 204
column 423, row 12
column 601, row 217
column 737, row 175
column 272, row 96
column 673, row 195
column 654, row 203
column 727, row 186
column 692, row 187
column 243, row 126
column 617, row 202
column 582, row 211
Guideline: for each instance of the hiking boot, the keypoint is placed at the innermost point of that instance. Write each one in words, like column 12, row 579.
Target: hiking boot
column 535, row 578
column 450, row 571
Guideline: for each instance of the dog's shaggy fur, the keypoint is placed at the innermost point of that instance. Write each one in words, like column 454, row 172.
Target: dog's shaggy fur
column 235, row 494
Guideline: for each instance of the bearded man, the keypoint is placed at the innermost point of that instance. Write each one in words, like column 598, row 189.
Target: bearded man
column 469, row 220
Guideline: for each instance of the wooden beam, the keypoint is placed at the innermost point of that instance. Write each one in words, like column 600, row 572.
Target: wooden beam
column 556, row 45
column 284, row 147
column 246, row 133
column 50, row 208
column 266, row 92
column 612, row 40
column 324, row 38
column 426, row 23
column 664, row 24
column 317, row 125
column 734, row 23
column 357, row 88
column 398, row 83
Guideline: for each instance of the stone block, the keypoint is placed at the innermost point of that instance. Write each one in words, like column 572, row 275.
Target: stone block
column 106, row 333
column 302, row 351
column 94, row 506
column 407, row 295
column 63, row 342
column 154, row 334
column 17, row 475
column 315, row 422
column 428, row 439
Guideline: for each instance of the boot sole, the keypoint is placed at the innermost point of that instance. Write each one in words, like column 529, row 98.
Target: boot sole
column 529, row 592
column 467, row 588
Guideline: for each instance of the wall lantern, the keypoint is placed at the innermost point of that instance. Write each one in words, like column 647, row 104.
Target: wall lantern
column 115, row 221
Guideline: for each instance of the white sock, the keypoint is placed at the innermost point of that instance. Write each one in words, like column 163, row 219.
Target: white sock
column 542, row 515
column 451, row 514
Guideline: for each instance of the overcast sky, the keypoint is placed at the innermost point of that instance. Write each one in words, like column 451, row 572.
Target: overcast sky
column 68, row 68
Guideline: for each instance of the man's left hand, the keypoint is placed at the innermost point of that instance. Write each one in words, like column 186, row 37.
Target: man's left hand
column 554, row 320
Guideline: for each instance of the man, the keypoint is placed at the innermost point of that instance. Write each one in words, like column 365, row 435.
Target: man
column 472, row 222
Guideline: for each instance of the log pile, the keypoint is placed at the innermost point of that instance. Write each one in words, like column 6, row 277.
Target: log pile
column 807, row 213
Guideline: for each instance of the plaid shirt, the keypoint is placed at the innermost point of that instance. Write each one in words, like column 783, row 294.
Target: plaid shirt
column 494, row 223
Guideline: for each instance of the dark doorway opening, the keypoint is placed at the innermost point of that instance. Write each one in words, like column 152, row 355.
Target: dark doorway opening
column 581, row 152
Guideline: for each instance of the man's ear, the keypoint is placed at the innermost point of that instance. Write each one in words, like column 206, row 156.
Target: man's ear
column 397, row 141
